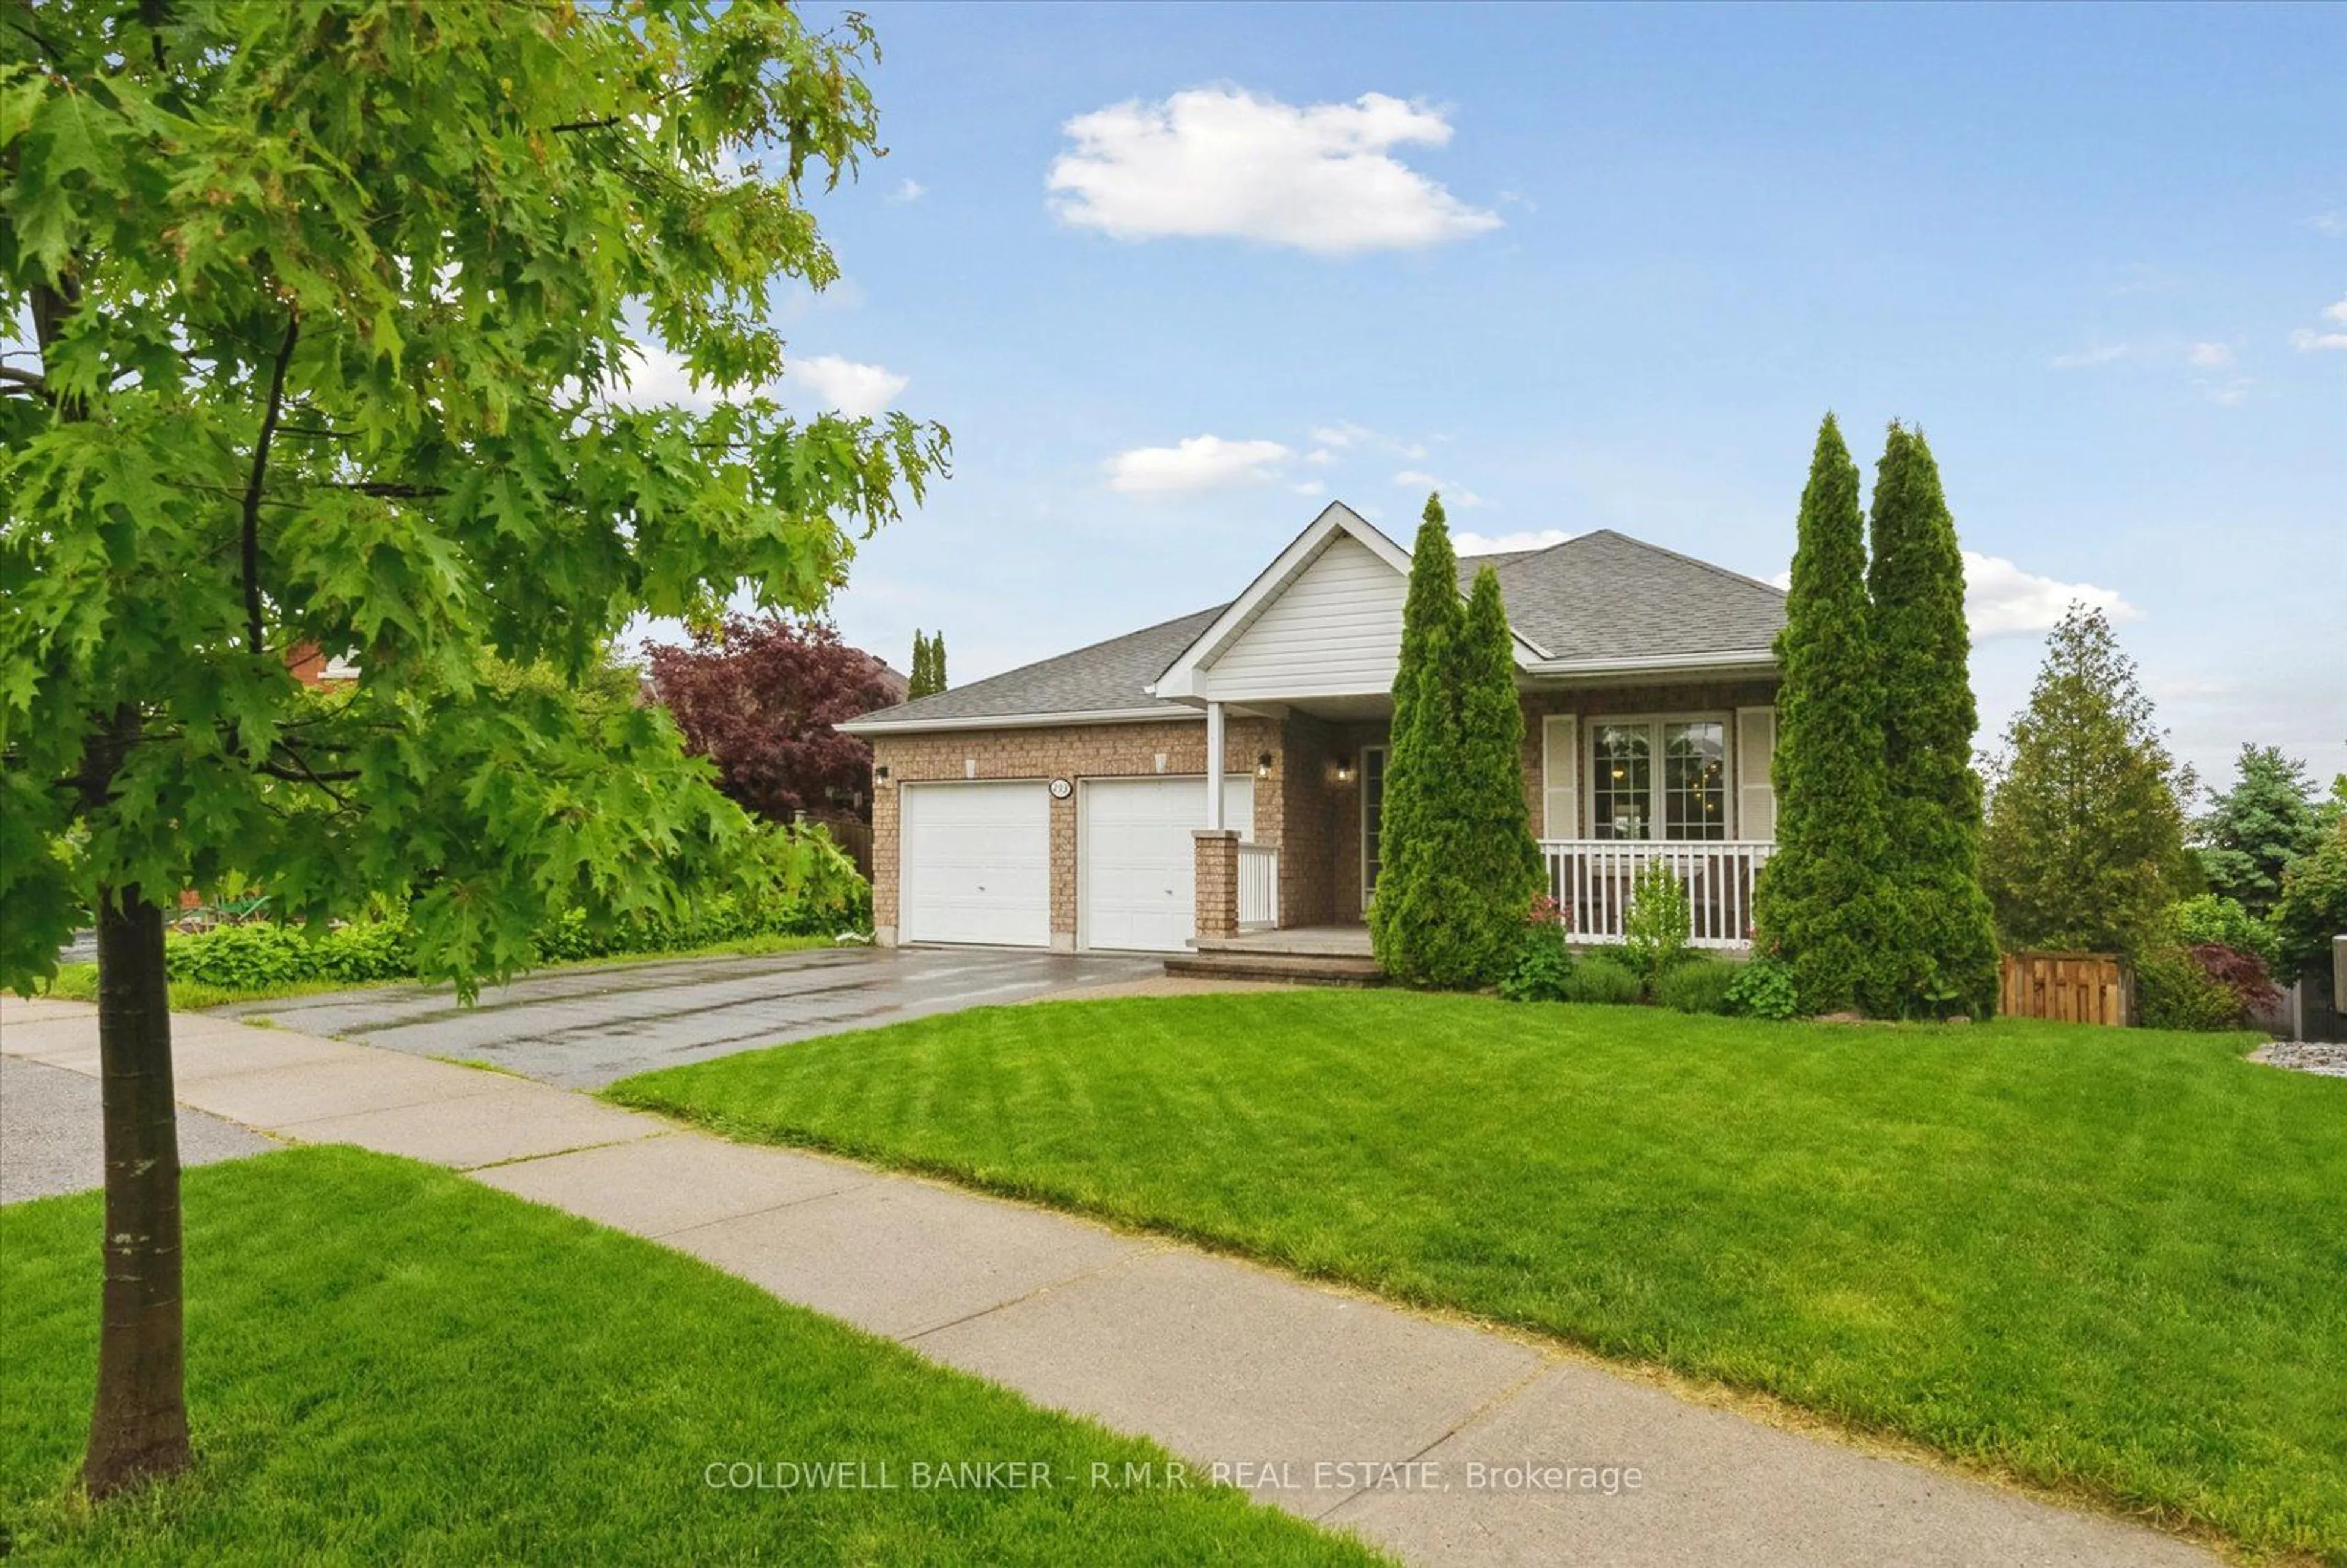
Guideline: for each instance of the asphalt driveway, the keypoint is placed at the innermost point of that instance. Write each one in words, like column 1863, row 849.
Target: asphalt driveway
column 582, row 1028
column 50, row 1133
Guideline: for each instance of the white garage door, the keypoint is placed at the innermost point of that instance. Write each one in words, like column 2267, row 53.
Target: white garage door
column 1136, row 864
column 974, row 864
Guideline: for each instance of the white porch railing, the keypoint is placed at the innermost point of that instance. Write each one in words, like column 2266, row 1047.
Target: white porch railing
column 1590, row 878
column 1258, row 886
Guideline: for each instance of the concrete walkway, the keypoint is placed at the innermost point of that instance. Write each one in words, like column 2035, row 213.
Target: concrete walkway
column 1441, row 1442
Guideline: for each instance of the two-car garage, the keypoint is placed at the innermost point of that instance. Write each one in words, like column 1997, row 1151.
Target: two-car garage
column 974, row 859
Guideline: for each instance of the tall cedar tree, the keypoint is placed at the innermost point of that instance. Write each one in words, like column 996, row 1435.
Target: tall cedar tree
column 1819, row 903
column 2256, row 830
column 1458, row 865
column 760, row 697
column 1943, row 934
column 334, row 307
column 1497, row 853
column 937, row 681
column 1424, row 738
column 2083, row 843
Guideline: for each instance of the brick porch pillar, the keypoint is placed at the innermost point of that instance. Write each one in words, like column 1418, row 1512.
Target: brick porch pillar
column 1218, row 880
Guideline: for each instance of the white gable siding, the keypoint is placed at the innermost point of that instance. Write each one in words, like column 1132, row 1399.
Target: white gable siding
column 1336, row 629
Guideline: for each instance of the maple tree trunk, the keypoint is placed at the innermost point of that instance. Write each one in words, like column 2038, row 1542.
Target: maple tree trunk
column 139, row 1428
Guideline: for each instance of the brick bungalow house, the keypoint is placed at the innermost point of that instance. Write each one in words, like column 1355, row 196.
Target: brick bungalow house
column 1065, row 804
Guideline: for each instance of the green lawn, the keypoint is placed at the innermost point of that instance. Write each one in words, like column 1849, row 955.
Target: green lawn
column 388, row 1363
column 2111, row 1262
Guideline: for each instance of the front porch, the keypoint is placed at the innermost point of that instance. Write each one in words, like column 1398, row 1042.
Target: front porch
column 1312, row 955
column 1590, row 879
column 1298, row 942
column 1632, row 775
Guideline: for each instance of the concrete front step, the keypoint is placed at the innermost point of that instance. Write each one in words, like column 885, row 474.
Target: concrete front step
column 1299, row 968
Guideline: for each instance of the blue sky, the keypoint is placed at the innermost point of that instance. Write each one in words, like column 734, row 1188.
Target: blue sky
column 1597, row 268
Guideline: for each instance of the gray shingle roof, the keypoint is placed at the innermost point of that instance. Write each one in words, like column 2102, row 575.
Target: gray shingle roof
column 1605, row 595
column 1104, row 678
column 1602, row 594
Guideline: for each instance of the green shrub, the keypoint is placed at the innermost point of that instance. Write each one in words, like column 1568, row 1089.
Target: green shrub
column 1543, row 970
column 2173, row 991
column 2208, row 917
column 1602, row 977
column 829, row 898
column 2313, row 908
column 1698, row 985
column 243, row 958
column 1655, row 930
column 1762, row 987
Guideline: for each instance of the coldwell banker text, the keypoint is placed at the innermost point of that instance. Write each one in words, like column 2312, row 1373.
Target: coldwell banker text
column 1336, row 1475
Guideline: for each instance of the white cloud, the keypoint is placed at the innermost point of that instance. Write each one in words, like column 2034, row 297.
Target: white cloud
column 2209, row 355
column 658, row 379
column 1320, row 456
column 1199, row 463
column 1341, row 434
column 908, row 190
column 1503, row 544
column 1307, row 486
column 2003, row 601
column 854, row 389
column 1224, row 162
column 2328, row 222
column 2310, row 340
column 1415, row 480
column 2230, row 393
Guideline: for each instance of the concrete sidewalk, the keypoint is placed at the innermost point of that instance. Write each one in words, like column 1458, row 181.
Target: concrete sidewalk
column 1441, row 1442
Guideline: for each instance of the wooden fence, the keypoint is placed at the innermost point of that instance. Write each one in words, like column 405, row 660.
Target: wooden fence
column 2068, row 988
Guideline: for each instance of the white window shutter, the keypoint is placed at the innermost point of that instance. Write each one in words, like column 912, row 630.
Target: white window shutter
column 1756, row 796
column 1560, row 778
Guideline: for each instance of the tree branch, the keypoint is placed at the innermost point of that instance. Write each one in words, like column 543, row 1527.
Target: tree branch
column 31, row 381
column 310, row 775
column 269, row 413
column 389, row 489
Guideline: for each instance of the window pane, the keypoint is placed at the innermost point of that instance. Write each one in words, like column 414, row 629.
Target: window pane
column 1621, row 781
column 1695, row 781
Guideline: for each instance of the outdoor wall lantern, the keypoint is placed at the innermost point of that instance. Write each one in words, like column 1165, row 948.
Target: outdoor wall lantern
column 1262, row 765
column 1344, row 771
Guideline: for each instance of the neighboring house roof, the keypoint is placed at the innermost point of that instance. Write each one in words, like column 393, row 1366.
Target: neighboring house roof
column 1601, row 601
column 1108, row 679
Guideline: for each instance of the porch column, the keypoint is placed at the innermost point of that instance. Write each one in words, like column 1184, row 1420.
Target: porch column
column 1214, row 767
column 1218, row 867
